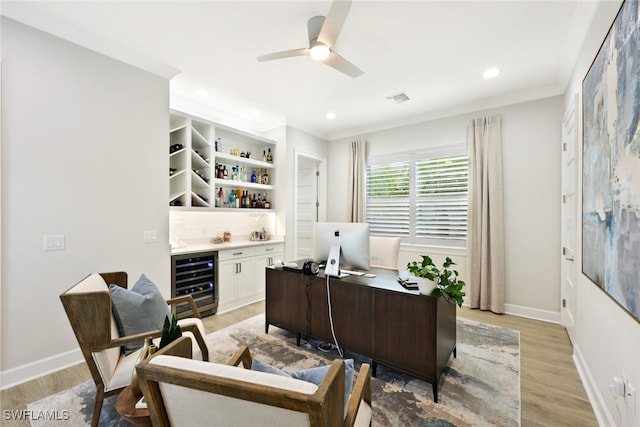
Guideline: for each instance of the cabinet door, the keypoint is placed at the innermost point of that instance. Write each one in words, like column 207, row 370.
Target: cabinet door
column 244, row 278
column 227, row 283
column 265, row 257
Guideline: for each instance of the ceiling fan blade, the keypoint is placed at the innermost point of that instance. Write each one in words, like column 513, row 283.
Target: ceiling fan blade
column 339, row 63
column 333, row 22
column 283, row 54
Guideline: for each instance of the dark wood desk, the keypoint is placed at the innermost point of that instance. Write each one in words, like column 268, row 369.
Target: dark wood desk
column 375, row 317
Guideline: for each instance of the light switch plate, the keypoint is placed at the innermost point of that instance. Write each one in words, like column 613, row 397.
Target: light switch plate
column 54, row 242
column 150, row 236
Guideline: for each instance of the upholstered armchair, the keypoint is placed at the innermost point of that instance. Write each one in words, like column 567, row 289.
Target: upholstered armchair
column 184, row 392
column 88, row 305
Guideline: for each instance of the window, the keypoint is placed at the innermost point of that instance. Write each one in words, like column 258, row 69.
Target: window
column 421, row 196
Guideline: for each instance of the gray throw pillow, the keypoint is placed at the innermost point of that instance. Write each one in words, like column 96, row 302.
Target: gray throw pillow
column 140, row 309
column 312, row 375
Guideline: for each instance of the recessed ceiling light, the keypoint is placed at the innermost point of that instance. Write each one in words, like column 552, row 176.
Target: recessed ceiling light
column 331, row 116
column 202, row 92
column 491, row 73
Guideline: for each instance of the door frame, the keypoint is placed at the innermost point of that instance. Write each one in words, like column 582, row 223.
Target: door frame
column 321, row 196
column 569, row 261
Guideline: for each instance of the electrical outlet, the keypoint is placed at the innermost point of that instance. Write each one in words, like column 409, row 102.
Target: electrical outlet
column 630, row 398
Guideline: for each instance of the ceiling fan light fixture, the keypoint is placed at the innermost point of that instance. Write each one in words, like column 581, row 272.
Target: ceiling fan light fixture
column 319, row 52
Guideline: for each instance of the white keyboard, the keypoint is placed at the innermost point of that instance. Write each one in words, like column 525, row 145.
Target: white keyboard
column 352, row 273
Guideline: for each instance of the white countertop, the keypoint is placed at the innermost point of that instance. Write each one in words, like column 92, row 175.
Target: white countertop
column 206, row 245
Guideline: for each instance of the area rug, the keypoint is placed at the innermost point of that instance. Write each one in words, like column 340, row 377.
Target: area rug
column 481, row 387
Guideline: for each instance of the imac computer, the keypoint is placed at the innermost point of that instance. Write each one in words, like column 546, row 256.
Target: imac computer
column 342, row 245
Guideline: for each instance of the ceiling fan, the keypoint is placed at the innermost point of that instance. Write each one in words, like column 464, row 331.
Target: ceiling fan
column 323, row 33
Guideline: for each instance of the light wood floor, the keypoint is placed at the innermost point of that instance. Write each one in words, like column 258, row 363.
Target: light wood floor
column 552, row 393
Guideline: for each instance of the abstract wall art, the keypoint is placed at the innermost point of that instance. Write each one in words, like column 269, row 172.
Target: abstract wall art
column 611, row 163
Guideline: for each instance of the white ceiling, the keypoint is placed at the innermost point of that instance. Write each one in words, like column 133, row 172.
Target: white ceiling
column 435, row 51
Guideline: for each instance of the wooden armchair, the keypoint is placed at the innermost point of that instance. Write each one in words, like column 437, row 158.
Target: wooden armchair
column 88, row 307
column 184, row 392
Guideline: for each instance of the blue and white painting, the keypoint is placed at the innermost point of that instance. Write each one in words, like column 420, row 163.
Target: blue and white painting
column 611, row 163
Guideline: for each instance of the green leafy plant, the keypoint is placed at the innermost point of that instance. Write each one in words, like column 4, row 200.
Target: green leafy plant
column 447, row 283
column 170, row 331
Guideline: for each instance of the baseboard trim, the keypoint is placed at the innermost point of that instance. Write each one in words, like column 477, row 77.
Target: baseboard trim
column 30, row 371
column 593, row 393
column 533, row 313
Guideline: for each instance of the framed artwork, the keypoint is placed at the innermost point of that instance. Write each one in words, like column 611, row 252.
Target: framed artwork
column 611, row 163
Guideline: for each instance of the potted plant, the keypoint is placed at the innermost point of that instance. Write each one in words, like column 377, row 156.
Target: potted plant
column 444, row 281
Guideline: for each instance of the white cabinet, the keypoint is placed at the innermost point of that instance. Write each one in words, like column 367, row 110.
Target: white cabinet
column 265, row 256
column 236, row 278
column 241, row 274
column 216, row 167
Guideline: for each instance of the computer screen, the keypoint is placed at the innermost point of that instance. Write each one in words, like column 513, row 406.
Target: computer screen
column 352, row 237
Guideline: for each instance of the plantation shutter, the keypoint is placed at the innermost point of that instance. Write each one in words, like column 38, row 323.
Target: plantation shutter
column 441, row 197
column 388, row 191
column 421, row 197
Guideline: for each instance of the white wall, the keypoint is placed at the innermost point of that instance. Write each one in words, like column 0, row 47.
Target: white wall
column 84, row 154
column 607, row 340
column 312, row 146
column 531, row 134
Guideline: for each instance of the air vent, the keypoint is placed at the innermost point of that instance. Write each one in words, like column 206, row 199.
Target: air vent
column 398, row 98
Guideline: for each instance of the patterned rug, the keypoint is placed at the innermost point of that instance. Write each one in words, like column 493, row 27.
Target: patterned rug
column 480, row 388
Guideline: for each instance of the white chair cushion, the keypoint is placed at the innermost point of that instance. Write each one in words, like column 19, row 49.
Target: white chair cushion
column 188, row 407
column 363, row 417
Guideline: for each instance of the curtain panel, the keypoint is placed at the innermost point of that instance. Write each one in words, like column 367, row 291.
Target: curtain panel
column 357, row 180
column 485, row 235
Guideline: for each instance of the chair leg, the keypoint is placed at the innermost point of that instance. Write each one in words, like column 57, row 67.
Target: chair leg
column 97, row 408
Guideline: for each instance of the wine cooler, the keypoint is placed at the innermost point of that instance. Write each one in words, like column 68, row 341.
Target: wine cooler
column 194, row 274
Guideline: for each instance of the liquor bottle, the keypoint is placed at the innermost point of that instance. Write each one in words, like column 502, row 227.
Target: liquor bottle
column 267, row 204
column 265, row 178
column 264, row 155
column 254, row 178
column 225, row 172
column 220, row 199
column 259, row 176
column 218, row 145
column 253, row 200
column 234, row 173
column 269, row 156
column 264, row 200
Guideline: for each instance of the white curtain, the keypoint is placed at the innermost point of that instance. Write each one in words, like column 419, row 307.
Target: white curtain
column 357, row 177
column 485, row 237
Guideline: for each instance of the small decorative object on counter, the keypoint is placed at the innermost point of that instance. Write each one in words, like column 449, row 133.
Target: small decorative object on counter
column 227, row 236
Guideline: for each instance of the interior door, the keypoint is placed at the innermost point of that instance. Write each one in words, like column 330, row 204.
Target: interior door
column 569, row 217
column 307, row 204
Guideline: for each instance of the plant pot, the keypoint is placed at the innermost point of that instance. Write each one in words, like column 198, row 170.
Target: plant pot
column 425, row 286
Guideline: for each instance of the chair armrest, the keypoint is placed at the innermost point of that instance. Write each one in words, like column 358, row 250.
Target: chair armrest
column 361, row 391
column 129, row 339
column 199, row 340
column 242, row 355
column 189, row 300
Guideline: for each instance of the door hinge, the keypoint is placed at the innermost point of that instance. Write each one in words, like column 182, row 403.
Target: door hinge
column 564, row 198
column 564, row 146
column 564, row 303
column 564, row 250
column 317, row 173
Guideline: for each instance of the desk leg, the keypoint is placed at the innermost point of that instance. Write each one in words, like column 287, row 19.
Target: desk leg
column 298, row 336
column 266, row 327
column 435, row 392
column 374, row 368
column 455, row 352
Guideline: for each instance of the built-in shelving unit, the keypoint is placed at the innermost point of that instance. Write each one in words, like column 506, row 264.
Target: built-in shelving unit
column 217, row 167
